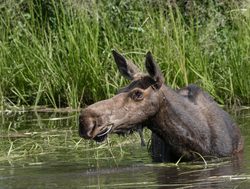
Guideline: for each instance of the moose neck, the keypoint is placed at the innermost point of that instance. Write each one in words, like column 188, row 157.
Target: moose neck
column 179, row 123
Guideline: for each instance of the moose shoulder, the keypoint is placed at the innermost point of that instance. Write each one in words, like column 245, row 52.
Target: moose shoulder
column 185, row 122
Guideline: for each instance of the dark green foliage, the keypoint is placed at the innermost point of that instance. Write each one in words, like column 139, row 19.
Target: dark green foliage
column 58, row 53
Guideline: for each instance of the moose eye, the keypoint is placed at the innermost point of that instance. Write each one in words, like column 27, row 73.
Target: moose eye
column 137, row 95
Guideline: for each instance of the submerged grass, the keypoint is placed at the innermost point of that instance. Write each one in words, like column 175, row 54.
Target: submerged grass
column 58, row 53
column 34, row 138
column 43, row 144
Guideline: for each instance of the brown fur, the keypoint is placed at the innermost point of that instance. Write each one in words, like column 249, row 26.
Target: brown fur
column 184, row 122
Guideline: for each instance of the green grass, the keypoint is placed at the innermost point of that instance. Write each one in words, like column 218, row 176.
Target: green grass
column 58, row 53
column 45, row 138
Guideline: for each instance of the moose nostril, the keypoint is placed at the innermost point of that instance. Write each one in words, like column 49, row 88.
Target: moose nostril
column 81, row 129
column 86, row 127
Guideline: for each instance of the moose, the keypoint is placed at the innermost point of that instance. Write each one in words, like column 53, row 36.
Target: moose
column 184, row 123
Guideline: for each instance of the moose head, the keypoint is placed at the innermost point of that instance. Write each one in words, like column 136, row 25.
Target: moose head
column 132, row 105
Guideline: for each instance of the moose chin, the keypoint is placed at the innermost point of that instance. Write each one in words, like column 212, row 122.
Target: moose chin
column 184, row 122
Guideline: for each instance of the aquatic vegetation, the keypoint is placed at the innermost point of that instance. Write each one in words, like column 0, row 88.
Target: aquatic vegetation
column 37, row 138
column 42, row 148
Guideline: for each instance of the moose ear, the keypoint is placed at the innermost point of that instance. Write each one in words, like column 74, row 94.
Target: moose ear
column 126, row 68
column 154, row 70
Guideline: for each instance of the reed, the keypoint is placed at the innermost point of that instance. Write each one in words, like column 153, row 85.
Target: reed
column 58, row 53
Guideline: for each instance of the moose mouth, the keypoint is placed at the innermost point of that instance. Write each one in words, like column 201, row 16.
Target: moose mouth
column 125, row 130
column 100, row 137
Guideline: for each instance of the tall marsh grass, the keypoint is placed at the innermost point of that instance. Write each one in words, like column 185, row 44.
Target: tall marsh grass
column 58, row 53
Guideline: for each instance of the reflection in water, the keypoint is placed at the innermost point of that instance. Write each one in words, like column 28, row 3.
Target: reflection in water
column 43, row 150
column 218, row 175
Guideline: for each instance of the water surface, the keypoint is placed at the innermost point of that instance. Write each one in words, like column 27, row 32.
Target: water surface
column 43, row 150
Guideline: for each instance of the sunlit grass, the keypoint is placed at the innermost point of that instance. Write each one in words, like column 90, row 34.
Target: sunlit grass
column 65, row 59
column 36, row 138
column 54, row 148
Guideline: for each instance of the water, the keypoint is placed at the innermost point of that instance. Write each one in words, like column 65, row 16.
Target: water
column 43, row 150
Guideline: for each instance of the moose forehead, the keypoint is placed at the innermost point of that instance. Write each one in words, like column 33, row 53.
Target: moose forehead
column 143, row 83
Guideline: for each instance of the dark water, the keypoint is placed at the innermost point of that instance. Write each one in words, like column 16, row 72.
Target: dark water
column 43, row 150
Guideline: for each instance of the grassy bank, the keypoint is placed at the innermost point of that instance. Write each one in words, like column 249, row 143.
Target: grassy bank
column 59, row 53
